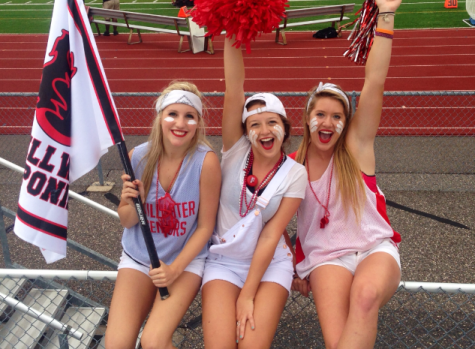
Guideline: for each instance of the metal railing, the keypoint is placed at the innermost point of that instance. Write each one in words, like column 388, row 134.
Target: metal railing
column 420, row 315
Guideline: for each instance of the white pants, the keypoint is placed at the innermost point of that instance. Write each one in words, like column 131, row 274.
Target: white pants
column 196, row 266
column 352, row 260
column 235, row 271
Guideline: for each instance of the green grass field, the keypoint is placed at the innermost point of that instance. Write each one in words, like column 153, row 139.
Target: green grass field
column 34, row 16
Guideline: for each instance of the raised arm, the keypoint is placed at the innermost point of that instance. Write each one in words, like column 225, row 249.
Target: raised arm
column 234, row 95
column 364, row 126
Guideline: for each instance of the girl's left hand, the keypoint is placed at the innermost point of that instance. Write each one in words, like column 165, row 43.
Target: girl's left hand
column 163, row 276
column 244, row 313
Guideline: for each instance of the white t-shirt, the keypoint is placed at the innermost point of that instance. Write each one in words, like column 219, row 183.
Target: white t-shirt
column 232, row 167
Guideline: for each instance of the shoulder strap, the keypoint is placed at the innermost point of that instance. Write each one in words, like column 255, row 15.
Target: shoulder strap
column 271, row 188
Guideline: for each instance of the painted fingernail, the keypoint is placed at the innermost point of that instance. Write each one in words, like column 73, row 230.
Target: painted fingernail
column 240, row 336
column 252, row 327
column 237, row 340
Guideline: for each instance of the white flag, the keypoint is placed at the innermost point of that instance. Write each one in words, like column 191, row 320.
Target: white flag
column 75, row 122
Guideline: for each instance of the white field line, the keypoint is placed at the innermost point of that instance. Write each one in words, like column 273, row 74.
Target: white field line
column 220, row 59
column 133, row 3
column 268, row 48
column 384, row 108
column 314, row 78
column 263, row 39
column 269, row 67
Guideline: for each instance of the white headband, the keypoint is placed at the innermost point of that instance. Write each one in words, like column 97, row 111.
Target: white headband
column 181, row 97
column 332, row 87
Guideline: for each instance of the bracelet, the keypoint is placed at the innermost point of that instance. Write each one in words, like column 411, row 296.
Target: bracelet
column 385, row 31
column 384, row 35
column 386, row 15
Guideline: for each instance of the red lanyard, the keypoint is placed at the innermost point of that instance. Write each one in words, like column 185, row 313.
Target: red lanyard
column 325, row 220
column 267, row 179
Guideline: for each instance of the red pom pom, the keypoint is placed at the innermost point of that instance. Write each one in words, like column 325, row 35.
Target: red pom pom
column 244, row 18
column 363, row 33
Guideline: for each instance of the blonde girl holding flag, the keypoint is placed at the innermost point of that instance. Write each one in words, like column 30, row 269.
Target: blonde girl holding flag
column 179, row 179
column 346, row 251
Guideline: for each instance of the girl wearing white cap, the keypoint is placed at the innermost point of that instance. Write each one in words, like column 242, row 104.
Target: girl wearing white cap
column 248, row 273
column 179, row 180
column 346, row 251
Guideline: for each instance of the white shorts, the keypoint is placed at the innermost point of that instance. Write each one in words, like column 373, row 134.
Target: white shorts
column 196, row 266
column 235, row 271
column 352, row 260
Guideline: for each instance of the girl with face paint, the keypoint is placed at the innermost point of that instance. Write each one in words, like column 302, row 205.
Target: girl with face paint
column 248, row 273
column 346, row 251
column 179, row 179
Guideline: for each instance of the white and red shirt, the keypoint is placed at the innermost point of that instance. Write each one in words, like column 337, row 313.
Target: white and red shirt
column 343, row 234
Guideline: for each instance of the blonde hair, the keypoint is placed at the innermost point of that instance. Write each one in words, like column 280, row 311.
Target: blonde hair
column 350, row 182
column 155, row 148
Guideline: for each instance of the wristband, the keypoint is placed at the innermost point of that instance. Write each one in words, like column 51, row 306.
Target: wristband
column 385, row 31
column 384, row 35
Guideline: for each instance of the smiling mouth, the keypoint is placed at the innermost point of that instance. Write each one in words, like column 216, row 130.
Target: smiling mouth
column 179, row 133
column 325, row 136
column 267, row 143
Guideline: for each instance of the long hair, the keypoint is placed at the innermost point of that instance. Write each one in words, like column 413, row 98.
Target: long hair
column 155, row 147
column 350, row 182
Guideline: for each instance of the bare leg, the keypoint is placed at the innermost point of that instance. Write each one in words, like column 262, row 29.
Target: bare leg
column 166, row 315
column 268, row 306
column 106, row 33
column 133, row 297
column 376, row 279
column 219, row 314
column 331, row 285
column 115, row 28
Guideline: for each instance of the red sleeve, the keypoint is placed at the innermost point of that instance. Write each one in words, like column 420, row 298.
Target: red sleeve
column 293, row 155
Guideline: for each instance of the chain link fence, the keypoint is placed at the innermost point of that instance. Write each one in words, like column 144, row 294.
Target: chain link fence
column 420, row 315
column 428, row 132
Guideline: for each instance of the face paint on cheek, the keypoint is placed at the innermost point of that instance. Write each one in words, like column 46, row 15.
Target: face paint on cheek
column 253, row 137
column 339, row 127
column 278, row 132
column 169, row 119
column 313, row 125
column 192, row 122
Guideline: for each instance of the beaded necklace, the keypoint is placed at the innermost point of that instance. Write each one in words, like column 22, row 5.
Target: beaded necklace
column 325, row 220
column 166, row 205
column 266, row 180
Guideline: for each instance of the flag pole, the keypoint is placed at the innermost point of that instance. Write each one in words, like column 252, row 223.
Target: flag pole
column 143, row 221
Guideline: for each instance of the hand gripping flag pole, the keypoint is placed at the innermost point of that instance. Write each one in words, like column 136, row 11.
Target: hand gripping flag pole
column 75, row 123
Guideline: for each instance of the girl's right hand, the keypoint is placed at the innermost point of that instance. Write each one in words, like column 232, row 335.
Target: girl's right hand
column 131, row 189
column 302, row 286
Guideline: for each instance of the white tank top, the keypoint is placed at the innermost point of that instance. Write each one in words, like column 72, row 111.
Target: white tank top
column 342, row 235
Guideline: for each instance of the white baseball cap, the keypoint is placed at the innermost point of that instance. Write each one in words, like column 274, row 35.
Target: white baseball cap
column 273, row 105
